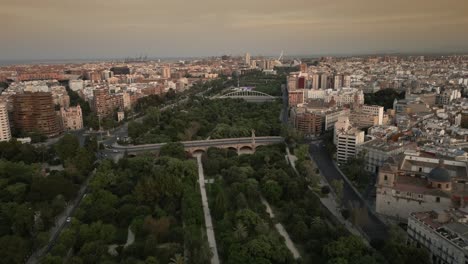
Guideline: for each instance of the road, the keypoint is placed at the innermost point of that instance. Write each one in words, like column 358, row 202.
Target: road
column 206, row 211
column 60, row 223
column 374, row 228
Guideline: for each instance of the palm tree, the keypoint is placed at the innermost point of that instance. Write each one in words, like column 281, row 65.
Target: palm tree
column 240, row 231
column 177, row 259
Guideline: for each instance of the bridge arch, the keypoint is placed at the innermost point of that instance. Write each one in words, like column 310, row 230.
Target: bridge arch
column 246, row 93
column 198, row 151
column 232, row 148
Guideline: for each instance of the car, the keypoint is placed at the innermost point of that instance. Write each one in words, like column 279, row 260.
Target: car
column 68, row 219
column 115, row 151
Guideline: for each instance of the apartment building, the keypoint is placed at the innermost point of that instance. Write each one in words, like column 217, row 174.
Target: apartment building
column 34, row 112
column 346, row 138
column 442, row 233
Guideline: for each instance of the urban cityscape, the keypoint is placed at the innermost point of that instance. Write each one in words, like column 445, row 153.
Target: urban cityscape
column 204, row 150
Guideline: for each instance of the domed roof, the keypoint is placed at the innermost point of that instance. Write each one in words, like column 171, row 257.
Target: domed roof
column 439, row 174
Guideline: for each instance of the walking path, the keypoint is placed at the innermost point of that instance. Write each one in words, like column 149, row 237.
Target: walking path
column 279, row 227
column 206, row 211
column 329, row 201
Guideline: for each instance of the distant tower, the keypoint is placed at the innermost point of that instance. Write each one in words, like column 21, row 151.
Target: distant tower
column 247, row 58
column 166, row 73
column 5, row 133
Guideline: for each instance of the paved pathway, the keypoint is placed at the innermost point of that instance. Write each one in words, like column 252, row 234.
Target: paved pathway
column 279, row 227
column 206, row 211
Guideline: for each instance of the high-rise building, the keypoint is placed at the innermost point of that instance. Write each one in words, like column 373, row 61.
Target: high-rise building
column 338, row 82
column 324, row 81
column 34, row 112
column 102, row 102
column 347, row 139
column 315, row 81
column 166, row 74
column 347, row 81
column 247, row 58
column 5, row 133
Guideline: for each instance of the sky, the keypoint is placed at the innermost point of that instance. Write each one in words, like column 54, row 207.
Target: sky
column 86, row 29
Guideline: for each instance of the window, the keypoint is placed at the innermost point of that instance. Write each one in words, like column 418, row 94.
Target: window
column 437, row 199
column 446, row 185
column 439, row 186
column 385, row 177
column 420, row 169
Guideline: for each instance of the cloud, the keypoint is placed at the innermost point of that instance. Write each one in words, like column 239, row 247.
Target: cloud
column 119, row 28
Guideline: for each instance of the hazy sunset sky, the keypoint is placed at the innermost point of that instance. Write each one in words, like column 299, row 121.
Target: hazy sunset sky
column 66, row 29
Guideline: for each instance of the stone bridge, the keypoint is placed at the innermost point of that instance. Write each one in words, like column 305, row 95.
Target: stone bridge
column 244, row 145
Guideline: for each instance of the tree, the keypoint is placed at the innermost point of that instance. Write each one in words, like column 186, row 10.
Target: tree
column 396, row 250
column 302, row 152
column 272, row 191
column 83, row 160
column 13, row 249
column 337, row 186
column 240, row 231
column 177, row 259
column 348, row 248
column 173, row 149
column 67, row 146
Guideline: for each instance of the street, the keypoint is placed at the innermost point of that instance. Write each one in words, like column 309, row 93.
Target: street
column 60, row 223
column 374, row 228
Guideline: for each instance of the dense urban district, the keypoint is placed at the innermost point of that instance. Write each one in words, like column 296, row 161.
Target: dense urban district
column 235, row 159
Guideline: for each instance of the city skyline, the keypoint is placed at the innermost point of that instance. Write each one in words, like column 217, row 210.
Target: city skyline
column 56, row 30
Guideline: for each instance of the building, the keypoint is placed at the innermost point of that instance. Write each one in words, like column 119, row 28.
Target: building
column 447, row 96
column 341, row 97
column 328, row 113
column 34, row 112
column 247, row 59
column 105, row 104
column 377, row 151
column 310, row 124
column 337, row 81
column 347, row 139
column 76, row 85
column 123, row 70
column 166, row 72
column 442, row 233
column 417, row 182
column 295, row 97
column 365, row 116
column 324, row 83
column 72, row 118
column 102, row 104
column 346, row 81
column 374, row 110
column 315, row 81
column 5, row 133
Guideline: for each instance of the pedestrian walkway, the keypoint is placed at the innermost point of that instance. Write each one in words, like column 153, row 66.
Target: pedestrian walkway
column 206, row 211
column 279, row 227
